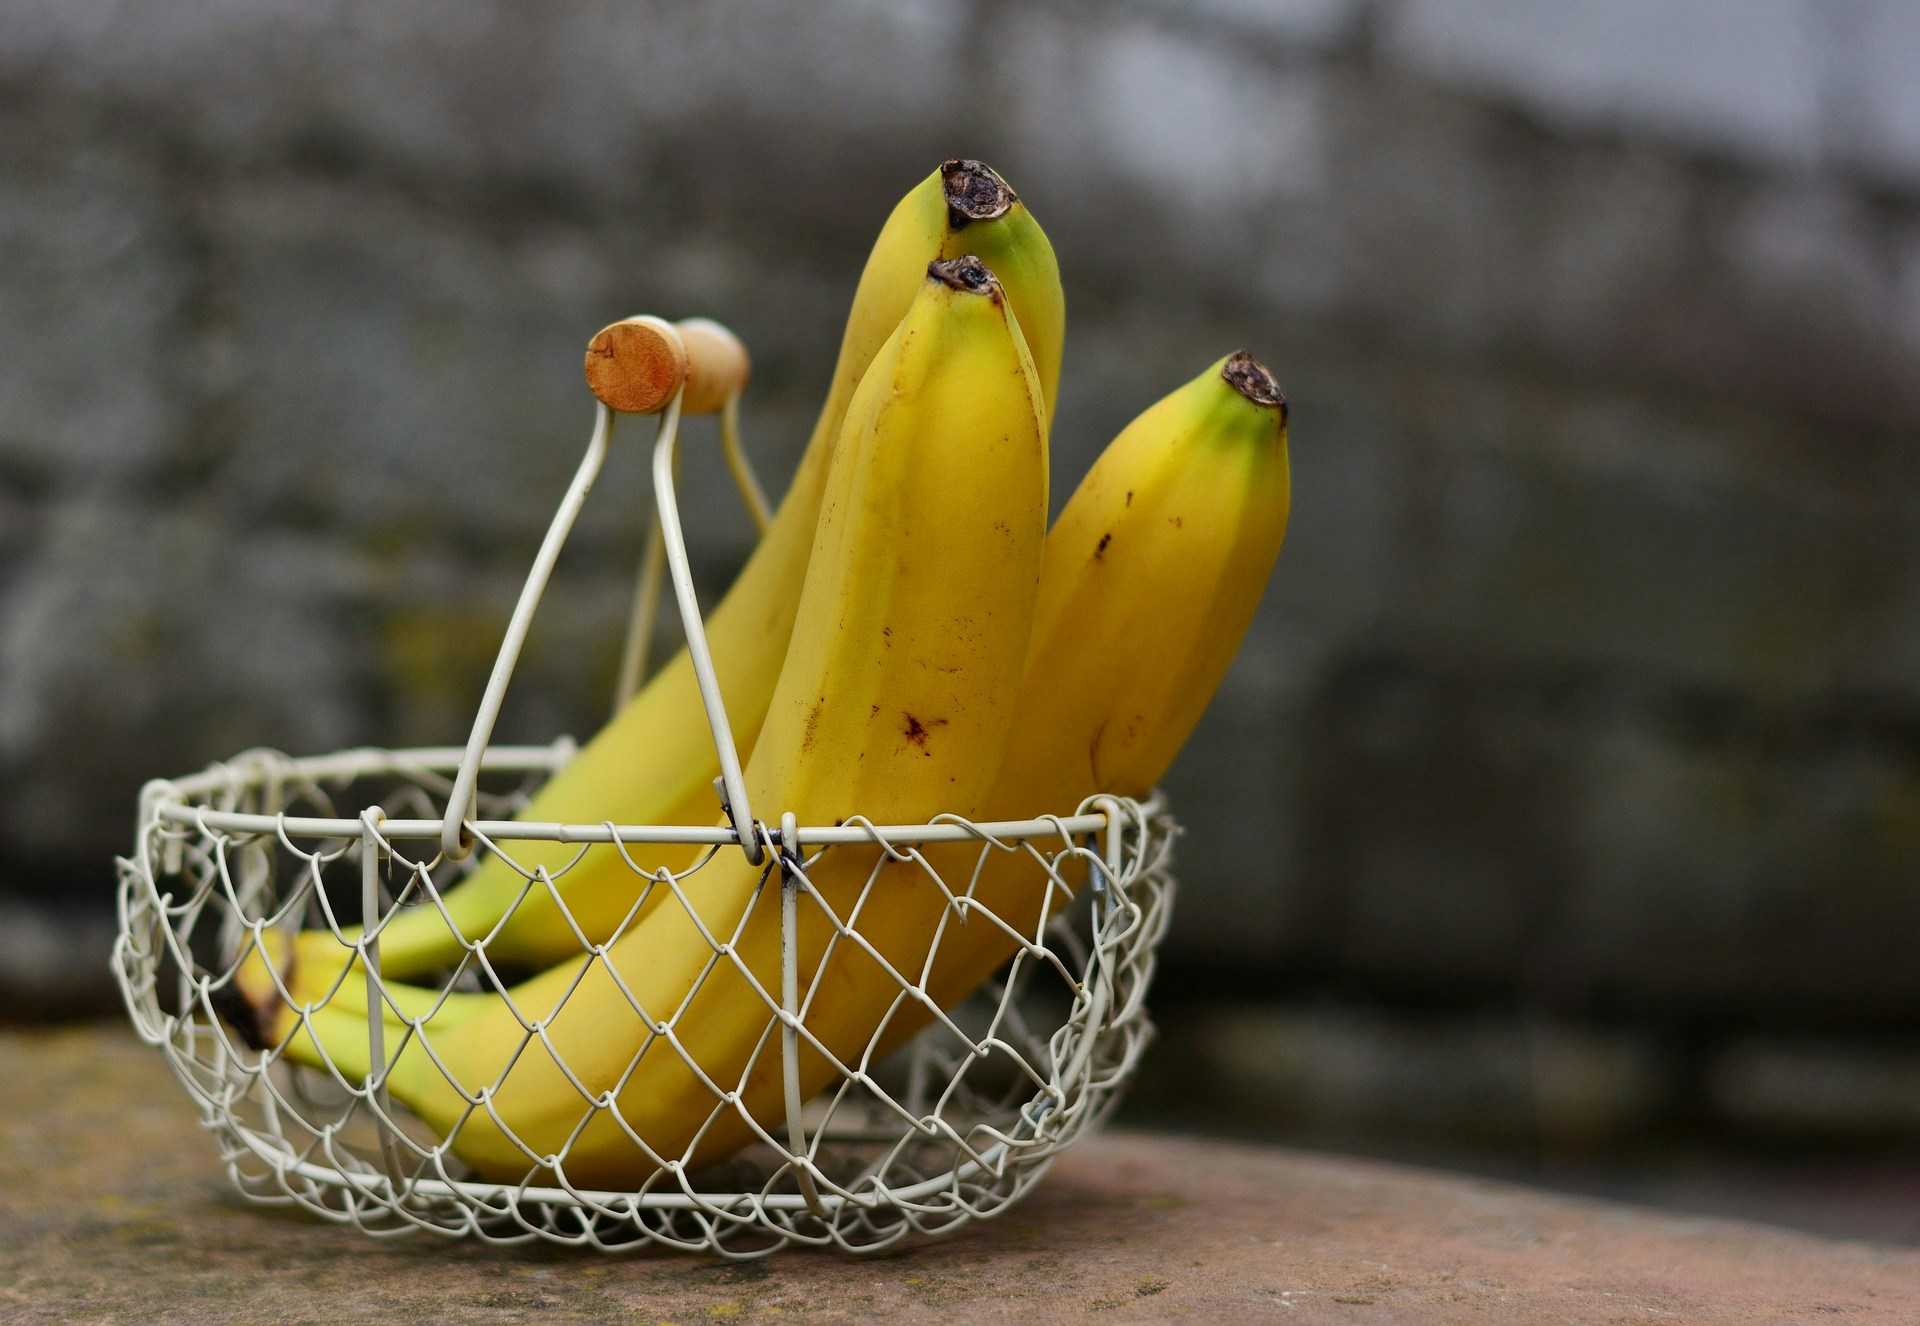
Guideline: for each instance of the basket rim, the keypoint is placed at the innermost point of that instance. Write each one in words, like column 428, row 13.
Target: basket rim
column 168, row 800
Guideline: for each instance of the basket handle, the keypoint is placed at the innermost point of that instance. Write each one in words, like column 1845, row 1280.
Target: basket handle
column 636, row 366
column 717, row 369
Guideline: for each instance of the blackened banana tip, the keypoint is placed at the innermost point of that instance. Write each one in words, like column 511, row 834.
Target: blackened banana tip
column 974, row 192
column 967, row 274
column 235, row 1010
column 1255, row 381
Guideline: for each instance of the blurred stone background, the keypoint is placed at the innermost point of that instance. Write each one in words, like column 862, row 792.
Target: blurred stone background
column 1568, row 788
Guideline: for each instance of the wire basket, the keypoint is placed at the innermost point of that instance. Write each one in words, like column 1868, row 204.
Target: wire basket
column 956, row 1125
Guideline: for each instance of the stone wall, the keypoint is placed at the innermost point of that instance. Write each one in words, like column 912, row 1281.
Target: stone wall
column 1592, row 669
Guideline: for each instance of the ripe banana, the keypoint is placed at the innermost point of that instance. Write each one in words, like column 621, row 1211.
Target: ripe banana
column 655, row 763
column 1152, row 575
column 1170, row 538
column 894, row 703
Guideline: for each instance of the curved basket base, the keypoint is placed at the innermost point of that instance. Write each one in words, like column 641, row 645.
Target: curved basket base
column 955, row 1126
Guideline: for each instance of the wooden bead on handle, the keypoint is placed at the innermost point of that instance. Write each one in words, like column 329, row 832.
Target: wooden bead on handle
column 635, row 365
column 717, row 364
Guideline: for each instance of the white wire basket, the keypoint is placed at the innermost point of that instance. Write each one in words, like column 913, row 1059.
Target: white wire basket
column 957, row 1125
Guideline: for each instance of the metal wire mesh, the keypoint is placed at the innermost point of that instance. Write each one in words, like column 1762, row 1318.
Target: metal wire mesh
column 870, row 1142
column 956, row 1125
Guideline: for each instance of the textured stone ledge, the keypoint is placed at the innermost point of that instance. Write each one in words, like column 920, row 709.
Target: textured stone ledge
column 112, row 1209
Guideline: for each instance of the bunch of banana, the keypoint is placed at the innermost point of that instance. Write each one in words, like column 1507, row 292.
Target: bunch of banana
column 931, row 649
column 655, row 762
column 894, row 701
column 1152, row 574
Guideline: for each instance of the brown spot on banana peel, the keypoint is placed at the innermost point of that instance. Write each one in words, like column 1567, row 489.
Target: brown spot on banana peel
column 916, row 731
column 968, row 275
column 1100, row 549
column 974, row 192
column 1254, row 380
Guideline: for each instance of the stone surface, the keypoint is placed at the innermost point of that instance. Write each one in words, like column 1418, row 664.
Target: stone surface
column 111, row 1208
column 1812, row 1122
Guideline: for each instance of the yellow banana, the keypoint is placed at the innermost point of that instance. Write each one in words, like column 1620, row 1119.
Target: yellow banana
column 894, row 703
column 1153, row 572
column 1168, row 540
column 655, row 763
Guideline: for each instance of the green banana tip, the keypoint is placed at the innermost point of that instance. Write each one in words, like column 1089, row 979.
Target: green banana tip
column 974, row 192
column 1255, row 381
column 966, row 274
